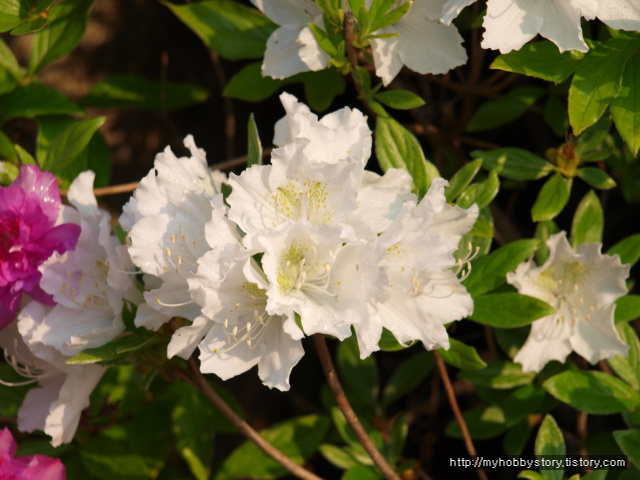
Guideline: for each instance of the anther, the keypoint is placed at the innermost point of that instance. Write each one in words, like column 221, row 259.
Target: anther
column 168, row 250
column 173, row 239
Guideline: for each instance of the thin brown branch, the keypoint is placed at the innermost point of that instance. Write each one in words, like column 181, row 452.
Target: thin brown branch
column 345, row 407
column 229, row 110
column 352, row 55
column 446, row 381
column 203, row 385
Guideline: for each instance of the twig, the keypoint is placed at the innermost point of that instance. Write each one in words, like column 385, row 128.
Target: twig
column 353, row 60
column 198, row 380
column 345, row 407
column 229, row 110
column 446, row 381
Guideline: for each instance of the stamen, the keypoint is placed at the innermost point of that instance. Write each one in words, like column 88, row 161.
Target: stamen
column 160, row 302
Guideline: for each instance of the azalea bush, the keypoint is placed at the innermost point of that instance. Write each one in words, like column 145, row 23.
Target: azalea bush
column 455, row 240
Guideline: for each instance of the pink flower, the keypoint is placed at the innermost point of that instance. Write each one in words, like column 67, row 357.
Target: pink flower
column 32, row 467
column 28, row 236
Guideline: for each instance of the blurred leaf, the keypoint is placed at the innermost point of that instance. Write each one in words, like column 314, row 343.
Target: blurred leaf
column 530, row 475
column 593, row 392
column 396, row 147
column 508, row 310
column 112, row 350
column 132, row 91
column 231, row 29
column 360, row 472
column 593, row 136
column 321, row 88
column 461, row 356
column 249, row 84
column 346, row 433
column 523, row 402
column 628, row 366
column 552, row 198
column 399, row 99
column 33, row 100
column 625, row 109
column 397, row 439
column 628, row 249
column 70, row 143
column 544, row 230
column 24, row 156
column 555, row 115
column 388, row 342
column 511, row 339
column 482, row 228
column 541, row 60
column 480, row 193
column 298, row 438
column 627, row 308
column 407, row 377
column 550, row 441
column 360, row 376
column 490, row 272
column 10, row 71
column 499, row 375
column 461, row 179
column 67, row 23
column 338, row 456
column 254, row 147
column 514, row 163
column 596, row 82
column 8, row 173
column 482, row 423
column 516, row 438
column 588, row 221
column 596, row 178
column 7, row 150
column 506, row 109
column 628, row 440
column 24, row 16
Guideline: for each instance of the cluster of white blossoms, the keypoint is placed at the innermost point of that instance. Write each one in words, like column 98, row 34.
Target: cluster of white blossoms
column 312, row 243
column 582, row 286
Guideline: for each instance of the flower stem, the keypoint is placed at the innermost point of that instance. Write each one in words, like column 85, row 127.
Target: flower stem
column 199, row 381
column 446, row 381
column 345, row 407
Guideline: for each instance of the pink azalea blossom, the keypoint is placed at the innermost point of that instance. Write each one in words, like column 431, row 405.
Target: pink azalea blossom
column 32, row 467
column 28, row 236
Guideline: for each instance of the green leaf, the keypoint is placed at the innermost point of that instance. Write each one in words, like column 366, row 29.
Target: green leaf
column 552, row 198
column 298, row 438
column 628, row 249
column 254, row 147
column 596, row 178
column 23, row 16
column 132, row 91
column 360, row 376
column 499, row 375
column 628, row 440
column 324, row 40
column 509, row 310
column 7, row 150
column 112, row 350
column 388, row 342
column 407, row 377
column 628, row 366
column 249, row 84
column 482, row 423
column 67, row 23
column 555, row 115
column 480, row 193
column 461, row 179
column 338, row 456
column 70, row 143
column 321, row 88
column 517, row 438
column 627, row 308
column 361, row 472
column 396, row 147
column 9, row 66
column 514, row 163
column 346, row 433
column 397, row 439
column 482, row 228
column 33, row 100
column 593, row 137
column 506, row 109
column 550, row 441
column 530, row 475
column 490, row 272
column 544, row 230
column 541, row 60
column 24, row 156
column 625, row 109
column 523, row 402
column 383, row 21
column 588, row 221
column 399, row 99
column 593, row 392
column 231, row 29
column 462, row 356
column 596, row 82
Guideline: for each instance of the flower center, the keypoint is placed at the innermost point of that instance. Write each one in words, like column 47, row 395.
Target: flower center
column 300, row 269
column 303, row 200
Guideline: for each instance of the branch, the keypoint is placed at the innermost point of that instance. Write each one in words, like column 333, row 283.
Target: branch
column 353, row 60
column 345, row 407
column 199, row 381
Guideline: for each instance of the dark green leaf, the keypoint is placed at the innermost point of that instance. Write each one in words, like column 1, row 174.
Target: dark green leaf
column 627, row 366
column 482, row 423
column 522, row 402
column 498, row 112
column 530, row 475
column 499, row 375
column 360, row 472
column 588, row 221
column 462, row 356
column 508, row 310
column 482, row 228
column 627, row 308
column 7, row 150
column 338, row 456
column 33, row 100
column 550, row 441
column 461, row 179
column 593, row 137
column 397, row 438
column 596, row 178
column 112, row 350
column 628, row 249
column 480, row 193
column 625, row 109
column 628, row 440
column 229, row 28
column 514, row 163
column 552, row 198
column 490, row 272
column 596, row 82
column 249, row 84
column 70, row 143
column 298, row 438
column 516, row 438
column 360, row 375
column 254, row 148
column 555, row 115
column 388, row 342
column 383, row 21
column 407, row 377
column 23, row 16
column 593, row 392
column 321, row 88
column 541, row 60
column 399, row 99
column 544, row 230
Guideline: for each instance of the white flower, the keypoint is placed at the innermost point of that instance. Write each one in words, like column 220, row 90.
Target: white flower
column 425, row 45
column 89, row 283
column 582, row 287
column 509, row 24
column 292, row 48
column 63, row 393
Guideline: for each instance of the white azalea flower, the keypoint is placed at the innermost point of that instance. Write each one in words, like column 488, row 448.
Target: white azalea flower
column 63, row 393
column 89, row 283
column 292, row 48
column 424, row 44
column 582, row 286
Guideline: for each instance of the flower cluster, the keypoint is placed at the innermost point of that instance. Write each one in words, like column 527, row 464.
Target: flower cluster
column 32, row 467
column 312, row 243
